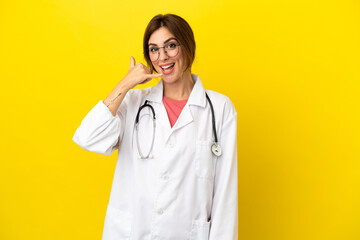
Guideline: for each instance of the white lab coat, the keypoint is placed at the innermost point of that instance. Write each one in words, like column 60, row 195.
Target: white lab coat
column 184, row 191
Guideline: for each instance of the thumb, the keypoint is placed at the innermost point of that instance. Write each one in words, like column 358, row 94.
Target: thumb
column 132, row 61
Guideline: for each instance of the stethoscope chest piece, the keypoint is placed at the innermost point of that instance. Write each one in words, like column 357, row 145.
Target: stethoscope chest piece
column 216, row 149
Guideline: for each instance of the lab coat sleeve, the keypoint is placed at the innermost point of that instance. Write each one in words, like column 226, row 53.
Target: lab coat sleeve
column 100, row 131
column 224, row 213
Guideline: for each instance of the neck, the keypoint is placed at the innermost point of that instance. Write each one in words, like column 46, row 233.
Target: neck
column 181, row 89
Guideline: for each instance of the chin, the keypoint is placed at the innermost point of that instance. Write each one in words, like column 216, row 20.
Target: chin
column 169, row 79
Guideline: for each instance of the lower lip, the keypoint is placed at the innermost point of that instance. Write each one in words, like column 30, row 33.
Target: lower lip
column 168, row 71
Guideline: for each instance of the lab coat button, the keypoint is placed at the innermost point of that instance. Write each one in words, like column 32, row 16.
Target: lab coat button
column 166, row 177
column 160, row 211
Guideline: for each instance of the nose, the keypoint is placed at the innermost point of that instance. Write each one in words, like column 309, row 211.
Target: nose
column 163, row 56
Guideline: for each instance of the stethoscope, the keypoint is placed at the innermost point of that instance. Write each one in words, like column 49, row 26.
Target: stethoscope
column 215, row 147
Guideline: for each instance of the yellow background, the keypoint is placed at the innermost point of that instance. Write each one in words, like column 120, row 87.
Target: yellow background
column 292, row 69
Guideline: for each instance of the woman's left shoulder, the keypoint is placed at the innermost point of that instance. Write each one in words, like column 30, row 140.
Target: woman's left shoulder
column 222, row 105
column 221, row 101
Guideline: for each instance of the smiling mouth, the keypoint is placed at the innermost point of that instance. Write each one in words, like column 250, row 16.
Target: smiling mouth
column 168, row 68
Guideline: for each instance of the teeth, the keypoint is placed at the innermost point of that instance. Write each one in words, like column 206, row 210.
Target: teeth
column 168, row 66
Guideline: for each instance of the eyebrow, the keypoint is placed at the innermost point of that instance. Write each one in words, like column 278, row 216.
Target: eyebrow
column 164, row 42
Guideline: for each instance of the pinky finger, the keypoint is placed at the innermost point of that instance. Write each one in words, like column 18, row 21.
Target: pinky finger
column 154, row 75
column 145, row 81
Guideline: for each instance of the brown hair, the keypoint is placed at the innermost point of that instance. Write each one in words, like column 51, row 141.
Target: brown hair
column 180, row 29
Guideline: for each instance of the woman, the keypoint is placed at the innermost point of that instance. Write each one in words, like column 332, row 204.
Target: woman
column 171, row 180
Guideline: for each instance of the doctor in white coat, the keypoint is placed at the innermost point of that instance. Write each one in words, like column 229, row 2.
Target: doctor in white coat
column 168, row 183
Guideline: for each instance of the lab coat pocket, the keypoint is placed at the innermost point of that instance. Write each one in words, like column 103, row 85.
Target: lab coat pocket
column 117, row 224
column 199, row 230
column 204, row 163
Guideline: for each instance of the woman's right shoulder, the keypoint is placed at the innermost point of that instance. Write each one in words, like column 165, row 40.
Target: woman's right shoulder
column 136, row 93
column 136, row 96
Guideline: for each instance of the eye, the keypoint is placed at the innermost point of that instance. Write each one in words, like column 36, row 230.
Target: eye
column 171, row 46
column 154, row 50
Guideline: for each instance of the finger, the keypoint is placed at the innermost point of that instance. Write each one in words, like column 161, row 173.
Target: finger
column 147, row 70
column 150, row 77
column 146, row 80
column 143, row 68
column 154, row 75
column 132, row 61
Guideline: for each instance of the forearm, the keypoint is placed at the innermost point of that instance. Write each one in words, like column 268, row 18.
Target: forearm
column 115, row 98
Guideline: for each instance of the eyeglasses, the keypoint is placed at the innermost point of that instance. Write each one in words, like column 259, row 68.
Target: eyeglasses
column 171, row 50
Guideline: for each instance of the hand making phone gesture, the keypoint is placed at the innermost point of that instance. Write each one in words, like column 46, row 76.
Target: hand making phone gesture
column 138, row 74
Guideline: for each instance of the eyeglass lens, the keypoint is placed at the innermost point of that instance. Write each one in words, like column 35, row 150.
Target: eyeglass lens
column 171, row 50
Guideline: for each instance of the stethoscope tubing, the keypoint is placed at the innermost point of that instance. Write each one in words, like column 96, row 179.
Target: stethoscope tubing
column 213, row 118
column 145, row 105
column 216, row 149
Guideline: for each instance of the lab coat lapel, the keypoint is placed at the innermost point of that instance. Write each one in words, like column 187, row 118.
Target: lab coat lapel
column 184, row 118
column 155, row 97
column 196, row 98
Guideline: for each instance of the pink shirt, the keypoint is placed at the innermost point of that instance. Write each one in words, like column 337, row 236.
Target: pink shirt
column 173, row 108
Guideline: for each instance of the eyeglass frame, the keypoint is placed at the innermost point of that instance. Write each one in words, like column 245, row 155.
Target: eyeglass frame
column 148, row 52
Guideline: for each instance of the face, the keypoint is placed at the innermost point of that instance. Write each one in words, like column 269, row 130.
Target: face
column 171, row 67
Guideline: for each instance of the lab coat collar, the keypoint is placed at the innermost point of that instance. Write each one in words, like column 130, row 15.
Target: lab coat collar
column 197, row 95
column 156, row 93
